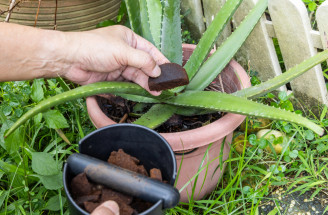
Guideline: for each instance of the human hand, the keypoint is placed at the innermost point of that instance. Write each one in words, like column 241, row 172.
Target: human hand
column 112, row 54
column 107, row 208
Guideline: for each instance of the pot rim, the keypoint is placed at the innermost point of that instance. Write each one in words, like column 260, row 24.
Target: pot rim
column 140, row 127
column 193, row 138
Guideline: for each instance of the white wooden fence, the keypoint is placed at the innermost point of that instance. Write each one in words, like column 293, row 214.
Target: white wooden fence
column 290, row 24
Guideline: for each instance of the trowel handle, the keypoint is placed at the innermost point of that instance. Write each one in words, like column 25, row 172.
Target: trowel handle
column 123, row 180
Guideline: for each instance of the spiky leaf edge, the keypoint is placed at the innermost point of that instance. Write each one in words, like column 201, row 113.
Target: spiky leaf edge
column 171, row 41
column 144, row 21
column 155, row 12
column 228, row 103
column 84, row 91
column 132, row 6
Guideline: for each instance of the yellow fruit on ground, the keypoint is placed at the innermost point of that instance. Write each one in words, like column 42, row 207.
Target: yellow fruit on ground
column 268, row 134
column 255, row 124
column 238, row 143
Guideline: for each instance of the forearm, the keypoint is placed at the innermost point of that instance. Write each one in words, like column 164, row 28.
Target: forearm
column 27, row 53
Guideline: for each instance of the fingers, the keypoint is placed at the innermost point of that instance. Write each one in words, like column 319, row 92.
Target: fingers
column 137, row 42
column 107, row 208
column 137, row 76
column 143, row 61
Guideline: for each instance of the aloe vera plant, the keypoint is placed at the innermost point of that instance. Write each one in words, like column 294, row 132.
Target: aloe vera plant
column 159, row 22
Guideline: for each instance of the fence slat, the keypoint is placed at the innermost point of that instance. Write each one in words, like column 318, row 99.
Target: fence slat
column 292, row 28
column 315, row 35
column 258, row 49
column 322, row 19
column 194, row 17
column 211, row 8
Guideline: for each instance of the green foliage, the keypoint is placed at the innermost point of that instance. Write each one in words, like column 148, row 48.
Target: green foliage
column 312, row 4
column 106, row 23
column 121, row 19
column 37, row 90
column 48, row 170
column 54, row 119
column 52, row 182
column 185, row 33
column 32, row 157
column 44, row 164
column 54, row 203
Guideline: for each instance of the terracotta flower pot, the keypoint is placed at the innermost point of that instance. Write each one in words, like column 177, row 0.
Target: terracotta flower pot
column 196, row 142
column 73, row 15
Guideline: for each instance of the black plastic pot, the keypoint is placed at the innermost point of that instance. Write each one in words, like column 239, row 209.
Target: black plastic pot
column 148, row 146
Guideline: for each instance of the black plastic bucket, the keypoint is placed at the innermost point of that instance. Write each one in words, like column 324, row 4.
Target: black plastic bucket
column 148, row 146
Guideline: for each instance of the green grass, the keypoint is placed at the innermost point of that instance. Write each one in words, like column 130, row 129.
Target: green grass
column 31, row 160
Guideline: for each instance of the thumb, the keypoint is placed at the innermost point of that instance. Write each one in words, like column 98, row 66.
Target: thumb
column 107, row 208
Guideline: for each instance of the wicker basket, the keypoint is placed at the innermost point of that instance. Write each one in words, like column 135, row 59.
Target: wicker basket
column 72, row 15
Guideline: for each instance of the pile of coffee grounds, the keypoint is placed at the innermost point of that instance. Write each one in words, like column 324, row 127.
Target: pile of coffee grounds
column 89, row 195
column 172, row 75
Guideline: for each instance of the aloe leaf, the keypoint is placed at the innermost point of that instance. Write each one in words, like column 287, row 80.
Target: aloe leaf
column 171, row 43
column 228, row 103
column 184, row 111
column 136, row 98
column 209, row 38
column 274, row 83
column 87, row 90
column 159, row 113
column 156, row 115
column 133, row 7
column 216, row 63
column 144, row 21
column 155, row 12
